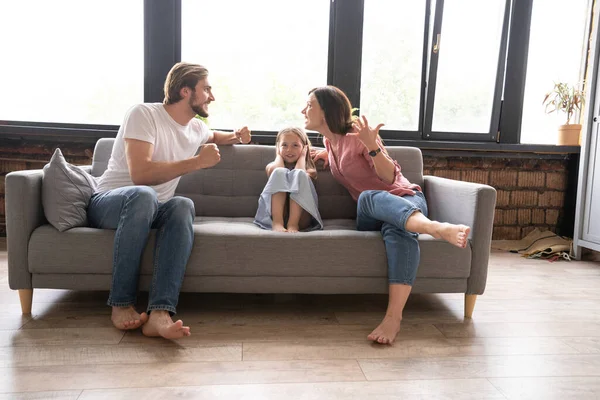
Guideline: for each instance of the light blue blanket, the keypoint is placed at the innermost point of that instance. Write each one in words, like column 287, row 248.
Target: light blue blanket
column 301, row 189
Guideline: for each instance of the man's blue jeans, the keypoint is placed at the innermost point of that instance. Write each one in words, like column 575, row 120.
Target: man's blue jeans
column 380, row 210
column 133, row 211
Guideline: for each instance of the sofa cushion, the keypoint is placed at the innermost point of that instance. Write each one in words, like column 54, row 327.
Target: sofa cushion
column 66, row 192
column 232, row 187
column 237, row 247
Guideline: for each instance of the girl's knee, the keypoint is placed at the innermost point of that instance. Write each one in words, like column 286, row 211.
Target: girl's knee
column 302, row 173
column 280, row 171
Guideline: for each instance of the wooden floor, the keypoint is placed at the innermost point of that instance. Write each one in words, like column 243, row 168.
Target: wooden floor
column 535, row 335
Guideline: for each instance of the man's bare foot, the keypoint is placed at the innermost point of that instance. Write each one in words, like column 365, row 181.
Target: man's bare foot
column 278, row 227
column 387, row 331
column 453, row 234
column 293, row 228
column 161, row 324
column 127, row 318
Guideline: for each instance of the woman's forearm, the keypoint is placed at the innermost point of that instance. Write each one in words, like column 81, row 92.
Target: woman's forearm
column 384, row 167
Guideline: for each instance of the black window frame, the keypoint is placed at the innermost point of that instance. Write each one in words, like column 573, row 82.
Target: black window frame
column 162, row 48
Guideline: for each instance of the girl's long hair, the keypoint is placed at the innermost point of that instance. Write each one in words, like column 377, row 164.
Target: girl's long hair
column 311, row 169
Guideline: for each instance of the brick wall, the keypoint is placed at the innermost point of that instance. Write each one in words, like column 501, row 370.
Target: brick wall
column 18, row 155
column 531, row 191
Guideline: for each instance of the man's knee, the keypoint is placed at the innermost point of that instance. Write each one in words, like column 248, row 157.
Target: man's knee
column 142, row 200
column 182, row 208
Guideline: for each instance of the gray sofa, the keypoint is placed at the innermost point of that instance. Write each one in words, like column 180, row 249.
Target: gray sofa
column 231, row 254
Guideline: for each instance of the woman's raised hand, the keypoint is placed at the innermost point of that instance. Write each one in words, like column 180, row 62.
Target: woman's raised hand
column 320, row 155
column 364, row 132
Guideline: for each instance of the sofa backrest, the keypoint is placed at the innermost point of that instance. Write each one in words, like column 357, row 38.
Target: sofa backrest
column 232, row 187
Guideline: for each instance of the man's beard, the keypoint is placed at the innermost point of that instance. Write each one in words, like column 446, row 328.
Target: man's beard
column 198, row 109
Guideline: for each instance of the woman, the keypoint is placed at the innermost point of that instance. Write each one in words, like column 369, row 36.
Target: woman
column 387, row 201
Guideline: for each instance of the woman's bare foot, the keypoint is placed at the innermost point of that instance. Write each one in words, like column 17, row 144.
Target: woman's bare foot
column 127, row 318
column 454, row 234
column 278, row 227
column 161, row 324
column 387, row 331
column 293, row 228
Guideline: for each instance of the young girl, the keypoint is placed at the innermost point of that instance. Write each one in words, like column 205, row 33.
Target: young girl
column 289, row 202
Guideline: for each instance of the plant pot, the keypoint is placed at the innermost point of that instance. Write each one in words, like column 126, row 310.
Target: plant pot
column 568, row 135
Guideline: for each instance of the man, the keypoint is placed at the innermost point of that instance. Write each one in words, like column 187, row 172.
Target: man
column 157, row 144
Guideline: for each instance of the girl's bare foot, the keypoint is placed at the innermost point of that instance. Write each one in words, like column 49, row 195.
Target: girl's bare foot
column 160, row 324
column 278, row 227
column 127, row 318
column 387, row 331
column 293, row 228
column 454, row 234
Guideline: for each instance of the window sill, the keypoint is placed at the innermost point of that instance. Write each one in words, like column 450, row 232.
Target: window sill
column 477, row 149
column 90, row 134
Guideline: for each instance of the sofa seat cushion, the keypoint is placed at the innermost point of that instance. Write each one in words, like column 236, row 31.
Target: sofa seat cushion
column 237, row 247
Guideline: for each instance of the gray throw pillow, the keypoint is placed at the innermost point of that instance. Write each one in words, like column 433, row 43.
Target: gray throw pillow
column 66, row 192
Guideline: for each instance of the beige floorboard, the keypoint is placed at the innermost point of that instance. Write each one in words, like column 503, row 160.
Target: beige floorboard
column 40, row 356
column 105, row 376
column 529, row 339
column 586, row 345
column 467, row 389
column 254, row 333
column 558, row 388
column 537, row 329
column 404, row 348
column 13, row 321
column 63, row 336
column 61, row 395
column 480, row 367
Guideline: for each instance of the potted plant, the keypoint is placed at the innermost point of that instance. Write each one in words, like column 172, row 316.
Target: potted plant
column 567, row 99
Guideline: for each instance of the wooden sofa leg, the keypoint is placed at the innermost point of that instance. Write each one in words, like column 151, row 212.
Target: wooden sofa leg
column 469, row 304
column 26, row 297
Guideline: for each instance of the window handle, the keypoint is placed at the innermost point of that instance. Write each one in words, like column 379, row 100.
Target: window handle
column 436, row 46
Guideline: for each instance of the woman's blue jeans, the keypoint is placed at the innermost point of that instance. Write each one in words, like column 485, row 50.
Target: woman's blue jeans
column 380, row 210
column 133, row 211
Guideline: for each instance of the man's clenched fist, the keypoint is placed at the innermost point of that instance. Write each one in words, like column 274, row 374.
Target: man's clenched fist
column 209, row 155
column 243, row 134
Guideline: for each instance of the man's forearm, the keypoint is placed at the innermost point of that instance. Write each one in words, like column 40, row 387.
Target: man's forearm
column 154, row 173
column 225, row 138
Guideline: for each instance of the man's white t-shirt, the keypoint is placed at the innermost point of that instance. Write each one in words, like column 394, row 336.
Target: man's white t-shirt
column 151, row 123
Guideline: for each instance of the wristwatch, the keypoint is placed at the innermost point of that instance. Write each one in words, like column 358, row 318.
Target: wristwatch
column 373, row 153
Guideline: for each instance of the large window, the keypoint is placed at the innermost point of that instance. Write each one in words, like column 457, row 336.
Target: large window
column 556, row 48
column 71, row 61
column 431, row 70
column 261, row 68
column 468, row 50
column 392, row 62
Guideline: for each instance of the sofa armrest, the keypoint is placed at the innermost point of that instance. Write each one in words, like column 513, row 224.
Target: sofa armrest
column 24, row 213
column 471, row 204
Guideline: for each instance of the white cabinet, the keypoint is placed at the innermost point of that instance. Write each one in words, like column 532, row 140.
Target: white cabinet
column 587, row 212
